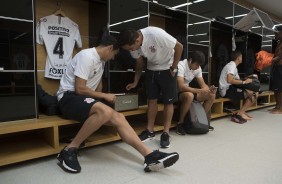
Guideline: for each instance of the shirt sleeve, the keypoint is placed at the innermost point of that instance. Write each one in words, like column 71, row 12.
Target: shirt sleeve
column 199, row 73
column 82, row 69
column 39, row 38
column 181, row 69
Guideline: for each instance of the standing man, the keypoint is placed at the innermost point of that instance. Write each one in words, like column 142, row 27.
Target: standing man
column 187, row 71
column 163, row 53
column 80, row 95
column 276, row 75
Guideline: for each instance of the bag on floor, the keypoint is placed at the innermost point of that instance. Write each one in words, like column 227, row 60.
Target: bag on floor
column 196, row 121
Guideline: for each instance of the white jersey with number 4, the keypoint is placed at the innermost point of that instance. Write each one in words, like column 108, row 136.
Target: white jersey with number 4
column 59, row 34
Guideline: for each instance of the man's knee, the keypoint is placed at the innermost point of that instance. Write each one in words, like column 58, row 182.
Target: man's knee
column 187, row 96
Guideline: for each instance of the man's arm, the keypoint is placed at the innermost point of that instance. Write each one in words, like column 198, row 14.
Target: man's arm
column 202, row 83
column 182, row 87
column 177, row 54
column 231, row 80
column 82, row 89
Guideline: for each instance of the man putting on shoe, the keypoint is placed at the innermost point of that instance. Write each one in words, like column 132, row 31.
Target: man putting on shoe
column 80, row 98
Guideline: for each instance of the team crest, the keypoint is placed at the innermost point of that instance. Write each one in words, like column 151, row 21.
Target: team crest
column 89, row 100
column 152, row 48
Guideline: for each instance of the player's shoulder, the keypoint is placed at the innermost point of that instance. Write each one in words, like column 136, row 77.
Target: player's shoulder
column 72, row 23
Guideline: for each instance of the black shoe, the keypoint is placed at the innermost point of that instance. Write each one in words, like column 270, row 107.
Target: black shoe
column 238, row 119
column 180, row 129
column 68, row 160
column 158, row 160
column 165, row 140
column 146, row 135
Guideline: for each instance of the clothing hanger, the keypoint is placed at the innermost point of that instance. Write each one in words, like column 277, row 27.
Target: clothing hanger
column 59, row 11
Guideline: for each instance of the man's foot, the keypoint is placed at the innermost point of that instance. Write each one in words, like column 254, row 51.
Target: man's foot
column 146, row 135
column 277, row 111
column 246, row 117
column 180, row 129
column 68, row 159
column 158, row 160
column 238, row 119
column 165, row 140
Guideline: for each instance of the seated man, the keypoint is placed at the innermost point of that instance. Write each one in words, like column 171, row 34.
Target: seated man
column 187, row 71
column 228, row 80
column 80, row 99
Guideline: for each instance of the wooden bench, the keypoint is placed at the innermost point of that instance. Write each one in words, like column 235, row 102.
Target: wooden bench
column 33, row 138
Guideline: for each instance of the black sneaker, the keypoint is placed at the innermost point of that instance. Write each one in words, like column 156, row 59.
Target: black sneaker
column 68, row 160
column 180, row 129
column 158, row 160
column 147, row 135
column 165, row 140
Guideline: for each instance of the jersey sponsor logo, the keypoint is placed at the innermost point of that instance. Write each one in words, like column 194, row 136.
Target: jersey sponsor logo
column 153, row 49
column 56, row 71
column 58, row 28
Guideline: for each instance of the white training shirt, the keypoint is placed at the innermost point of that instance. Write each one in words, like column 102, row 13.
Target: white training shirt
column 187, row 73
column 229, row 68
column 59, row 34
column 87, row 65
column 157, row 47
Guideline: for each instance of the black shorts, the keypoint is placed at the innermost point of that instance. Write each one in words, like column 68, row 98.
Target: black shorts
column 234, row 93
column 275, row 79
column 76, row 107
column 161, row 84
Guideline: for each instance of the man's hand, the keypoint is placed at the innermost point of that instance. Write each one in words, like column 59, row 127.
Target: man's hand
column 213, row 89
column 110, row 97
column 247, row 81
column 130, row 86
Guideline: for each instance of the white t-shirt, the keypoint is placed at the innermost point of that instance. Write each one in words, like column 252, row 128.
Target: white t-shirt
column 188, row 74
column 157, row 47
column 87, row 65
column 229, row 68
column 59, row 34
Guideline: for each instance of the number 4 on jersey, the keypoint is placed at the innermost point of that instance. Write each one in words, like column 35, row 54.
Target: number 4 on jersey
column 58, row 49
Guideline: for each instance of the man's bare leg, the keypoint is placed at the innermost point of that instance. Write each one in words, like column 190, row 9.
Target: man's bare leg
column 151, row 114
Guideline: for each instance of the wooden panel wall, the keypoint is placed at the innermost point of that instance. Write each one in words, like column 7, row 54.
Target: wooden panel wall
column 76, row 10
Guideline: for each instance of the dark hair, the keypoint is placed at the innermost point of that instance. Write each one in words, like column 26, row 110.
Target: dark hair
column 198, row 57
column 235, row 54
column 109, row 40
column 127, row 37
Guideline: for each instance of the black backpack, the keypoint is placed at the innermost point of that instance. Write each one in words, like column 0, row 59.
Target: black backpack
column 196, row 121
column 47, row 104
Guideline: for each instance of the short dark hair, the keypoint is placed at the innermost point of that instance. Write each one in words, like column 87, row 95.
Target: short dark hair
column 235, row 54
column 198, row 57
column 127, row 37
column 109, row 40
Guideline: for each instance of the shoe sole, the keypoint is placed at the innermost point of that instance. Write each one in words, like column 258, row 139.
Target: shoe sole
column 148, row 139
column 179, row 133
column 65, row 166
column 163, row 163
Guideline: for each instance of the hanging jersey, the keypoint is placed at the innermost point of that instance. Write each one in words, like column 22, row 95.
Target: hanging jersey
column 59, row 34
